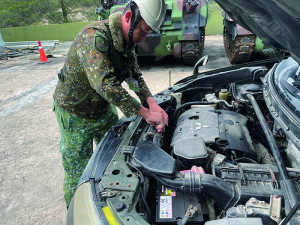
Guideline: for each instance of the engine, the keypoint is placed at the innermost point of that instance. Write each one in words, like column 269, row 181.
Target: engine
column 237, row 174
column 204, row 126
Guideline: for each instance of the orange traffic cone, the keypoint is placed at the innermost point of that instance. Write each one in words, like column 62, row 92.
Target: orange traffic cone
column 43, row 58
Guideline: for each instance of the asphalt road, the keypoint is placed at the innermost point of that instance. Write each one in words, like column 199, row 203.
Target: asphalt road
column 31, row 175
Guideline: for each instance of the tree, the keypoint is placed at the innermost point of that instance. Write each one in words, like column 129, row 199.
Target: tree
column 15, row 13
column 65, row 8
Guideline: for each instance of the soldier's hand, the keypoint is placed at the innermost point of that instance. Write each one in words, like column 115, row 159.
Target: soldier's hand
column 154, row 107
column 152, row 117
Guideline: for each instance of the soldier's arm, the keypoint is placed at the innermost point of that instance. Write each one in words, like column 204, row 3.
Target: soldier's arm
column 144, row 91
column 155, row 114
column 101, row 77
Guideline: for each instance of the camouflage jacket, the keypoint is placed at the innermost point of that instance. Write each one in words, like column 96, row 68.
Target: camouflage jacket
column 98, row 61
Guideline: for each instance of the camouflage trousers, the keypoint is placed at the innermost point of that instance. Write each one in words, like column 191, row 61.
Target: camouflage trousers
column 76, row 143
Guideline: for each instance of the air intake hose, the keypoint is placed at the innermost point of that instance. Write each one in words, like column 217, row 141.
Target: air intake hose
column 225, row 194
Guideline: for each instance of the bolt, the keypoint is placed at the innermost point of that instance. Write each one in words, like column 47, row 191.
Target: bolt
column 128, row 185
column 110, row 193
column 274, row 216
column 262, row 203
column 111, row 183
column 253, row 201
column 276, row 196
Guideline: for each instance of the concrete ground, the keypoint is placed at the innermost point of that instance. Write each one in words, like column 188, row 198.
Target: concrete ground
column 31, row 175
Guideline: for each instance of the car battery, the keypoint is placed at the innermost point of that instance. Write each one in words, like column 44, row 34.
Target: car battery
column 171, row 206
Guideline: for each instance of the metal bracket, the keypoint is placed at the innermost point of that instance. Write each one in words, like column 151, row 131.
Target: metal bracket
column 107, row 194
column 127, row 150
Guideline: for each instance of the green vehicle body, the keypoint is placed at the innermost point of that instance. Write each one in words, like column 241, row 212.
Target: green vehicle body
column 182, row 33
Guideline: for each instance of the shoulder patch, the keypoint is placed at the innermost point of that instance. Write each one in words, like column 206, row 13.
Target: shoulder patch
column 101, row 42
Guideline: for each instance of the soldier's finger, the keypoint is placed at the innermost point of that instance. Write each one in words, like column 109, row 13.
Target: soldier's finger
column 163, row 120
column 166, row 118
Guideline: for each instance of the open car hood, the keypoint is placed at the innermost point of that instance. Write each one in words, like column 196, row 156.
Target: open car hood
column 276, row 22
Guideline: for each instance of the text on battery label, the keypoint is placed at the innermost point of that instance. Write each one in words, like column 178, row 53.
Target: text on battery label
column 165, row 207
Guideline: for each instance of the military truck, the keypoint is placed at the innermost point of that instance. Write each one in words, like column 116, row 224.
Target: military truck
column 182, row 33
column 242, row 46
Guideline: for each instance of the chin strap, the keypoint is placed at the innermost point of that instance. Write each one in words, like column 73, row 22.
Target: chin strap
column 133, row 23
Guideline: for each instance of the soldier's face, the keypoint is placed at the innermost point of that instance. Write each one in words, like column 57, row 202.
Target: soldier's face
column 140, row 32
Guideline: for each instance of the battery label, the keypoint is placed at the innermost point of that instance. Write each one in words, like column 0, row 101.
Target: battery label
column 165, row 207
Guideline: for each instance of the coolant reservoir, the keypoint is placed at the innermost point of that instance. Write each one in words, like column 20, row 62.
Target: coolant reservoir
column 224, row 95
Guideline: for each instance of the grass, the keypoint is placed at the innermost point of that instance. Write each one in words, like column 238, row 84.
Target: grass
column 214, row 24
column 67, row 32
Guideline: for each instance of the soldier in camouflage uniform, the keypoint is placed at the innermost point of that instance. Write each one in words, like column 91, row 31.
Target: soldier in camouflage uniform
column 101, row 57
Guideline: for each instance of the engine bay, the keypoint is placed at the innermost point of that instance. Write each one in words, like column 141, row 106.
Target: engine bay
column 210, row 140
column 222, row 157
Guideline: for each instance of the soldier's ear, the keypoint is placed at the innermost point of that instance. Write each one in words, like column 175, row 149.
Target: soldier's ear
column 128, row 16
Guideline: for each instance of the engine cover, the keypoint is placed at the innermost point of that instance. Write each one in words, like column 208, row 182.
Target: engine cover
column 225, row 128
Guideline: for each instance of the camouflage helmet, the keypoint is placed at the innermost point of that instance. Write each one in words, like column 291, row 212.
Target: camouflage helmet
column 153, row 12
